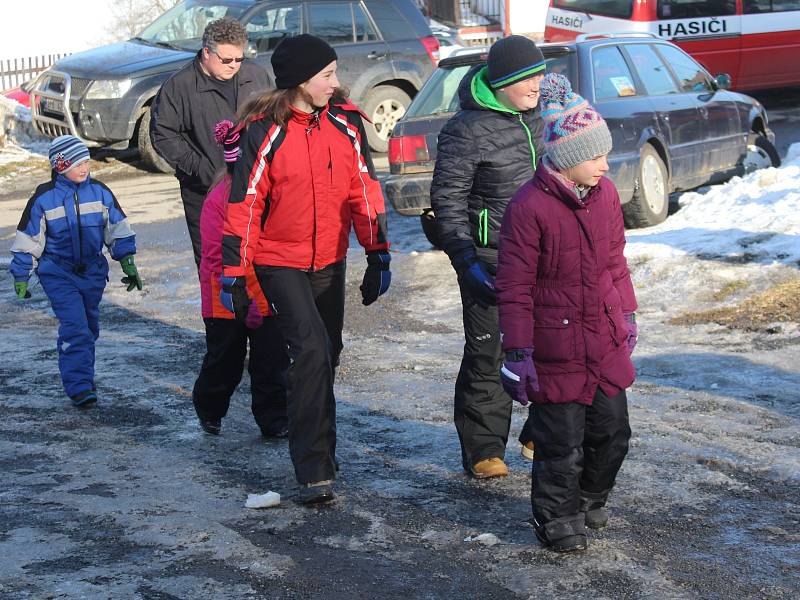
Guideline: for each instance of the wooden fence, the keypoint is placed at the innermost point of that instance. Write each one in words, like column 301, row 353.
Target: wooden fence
column 16, row 71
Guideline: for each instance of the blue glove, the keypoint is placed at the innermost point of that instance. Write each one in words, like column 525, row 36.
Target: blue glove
column 518, row 375
column 233, row 296
column 473, row 276
column 377, row 277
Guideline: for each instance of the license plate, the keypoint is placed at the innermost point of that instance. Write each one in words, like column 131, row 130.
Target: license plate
column 51, row 105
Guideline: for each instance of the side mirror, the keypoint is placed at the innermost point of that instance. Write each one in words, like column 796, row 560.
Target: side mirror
column 250, row 50
column 722, row 81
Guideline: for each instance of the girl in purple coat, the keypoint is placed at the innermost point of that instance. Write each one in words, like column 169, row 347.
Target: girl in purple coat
column 566, row 307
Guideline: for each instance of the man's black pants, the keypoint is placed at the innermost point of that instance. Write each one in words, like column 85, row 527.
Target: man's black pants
column 309, row 311
column 223, row 364
column 192, row 206
column 482, row 409
column 579, row 451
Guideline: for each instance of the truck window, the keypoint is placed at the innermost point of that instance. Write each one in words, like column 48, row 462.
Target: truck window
column 364, row 30
column 183, row 25
column 608, row 8
column 693, row 9
column 754, row 7
column 266, row 28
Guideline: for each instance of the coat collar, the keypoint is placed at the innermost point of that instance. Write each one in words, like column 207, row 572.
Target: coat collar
column 549, row 179
column 307, row 119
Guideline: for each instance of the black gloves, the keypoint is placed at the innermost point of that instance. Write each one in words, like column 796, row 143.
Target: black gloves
column 377, row 277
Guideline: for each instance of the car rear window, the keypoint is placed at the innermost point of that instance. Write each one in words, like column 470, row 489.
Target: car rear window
column 440, row 93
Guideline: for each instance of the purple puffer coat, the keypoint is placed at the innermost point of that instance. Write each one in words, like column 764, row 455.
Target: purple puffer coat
column 563, row 285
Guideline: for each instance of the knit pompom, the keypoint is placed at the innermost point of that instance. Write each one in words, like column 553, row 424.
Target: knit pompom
column 221, row 130
column 554, row 88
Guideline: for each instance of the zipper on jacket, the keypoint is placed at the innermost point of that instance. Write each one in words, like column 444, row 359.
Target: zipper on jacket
column 314, row 203
column 80, row 233
column 530, row 141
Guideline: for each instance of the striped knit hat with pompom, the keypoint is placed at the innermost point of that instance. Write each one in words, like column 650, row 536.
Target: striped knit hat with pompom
column 66, row 153
column 574, row 132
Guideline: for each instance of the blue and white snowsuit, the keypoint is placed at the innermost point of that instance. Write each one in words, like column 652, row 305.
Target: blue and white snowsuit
column 61, row 237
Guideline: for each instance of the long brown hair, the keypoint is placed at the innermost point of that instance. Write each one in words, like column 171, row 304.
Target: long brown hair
column 275, row 105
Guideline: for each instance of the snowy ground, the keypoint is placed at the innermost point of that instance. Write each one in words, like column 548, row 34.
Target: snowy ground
column 131, row 500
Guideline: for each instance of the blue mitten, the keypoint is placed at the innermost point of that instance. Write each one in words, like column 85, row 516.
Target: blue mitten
column 474, row 276
column 233, row 296
column 377, row 277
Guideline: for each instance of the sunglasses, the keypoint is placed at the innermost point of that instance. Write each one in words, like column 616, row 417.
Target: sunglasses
column 227, row 61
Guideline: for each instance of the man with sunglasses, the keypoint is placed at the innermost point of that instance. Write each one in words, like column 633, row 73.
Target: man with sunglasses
column 208, row 90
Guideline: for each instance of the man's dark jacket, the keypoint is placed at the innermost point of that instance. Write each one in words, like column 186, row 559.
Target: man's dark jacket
column 485, row 153
column 187, row 108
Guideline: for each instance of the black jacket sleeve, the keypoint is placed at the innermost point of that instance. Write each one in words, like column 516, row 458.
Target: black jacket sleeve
column 457, row 161
column 169, row 132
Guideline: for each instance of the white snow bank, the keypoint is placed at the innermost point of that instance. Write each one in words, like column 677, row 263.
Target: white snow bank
column 757, row 216
column 22, row 141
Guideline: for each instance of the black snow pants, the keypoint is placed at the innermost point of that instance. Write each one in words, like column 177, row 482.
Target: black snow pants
column 482, row 409
column 192, row 206
column 579, row 450
column 223, row 364
column 309, row 312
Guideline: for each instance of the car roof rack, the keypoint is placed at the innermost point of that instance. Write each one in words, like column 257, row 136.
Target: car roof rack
column 615, row 34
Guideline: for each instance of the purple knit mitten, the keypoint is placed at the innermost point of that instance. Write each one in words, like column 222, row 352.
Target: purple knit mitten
column 253, row 320
column 633, row 330
column 518, row 375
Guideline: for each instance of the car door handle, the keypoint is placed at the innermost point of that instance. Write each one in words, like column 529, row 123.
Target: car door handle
column 376, row 55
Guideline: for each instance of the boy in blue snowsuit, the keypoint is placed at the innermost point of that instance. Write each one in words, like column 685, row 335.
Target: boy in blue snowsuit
column 61, row 236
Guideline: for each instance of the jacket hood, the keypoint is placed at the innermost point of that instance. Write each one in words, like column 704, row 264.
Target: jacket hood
column 474, row 92
column 548, row 178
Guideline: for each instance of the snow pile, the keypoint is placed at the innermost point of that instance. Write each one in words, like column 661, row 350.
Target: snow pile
column 19, row 141
column 756, row 217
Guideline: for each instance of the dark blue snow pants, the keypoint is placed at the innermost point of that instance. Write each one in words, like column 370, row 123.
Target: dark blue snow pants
column 75, row 295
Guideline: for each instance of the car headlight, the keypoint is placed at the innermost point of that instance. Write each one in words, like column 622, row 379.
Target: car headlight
column 109, row 89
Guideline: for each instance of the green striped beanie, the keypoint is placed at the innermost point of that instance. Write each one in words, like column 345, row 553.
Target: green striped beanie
column 513, row 59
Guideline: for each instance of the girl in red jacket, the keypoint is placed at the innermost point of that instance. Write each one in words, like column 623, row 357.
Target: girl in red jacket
column 303, row 179
column 566, row 307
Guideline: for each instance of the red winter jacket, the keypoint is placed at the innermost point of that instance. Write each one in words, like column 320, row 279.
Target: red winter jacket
column 563, row 285
column 212, row 219
column 296, row 190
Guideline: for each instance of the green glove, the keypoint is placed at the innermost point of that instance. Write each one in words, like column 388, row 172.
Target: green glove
column 21, row 289
column 132, row 280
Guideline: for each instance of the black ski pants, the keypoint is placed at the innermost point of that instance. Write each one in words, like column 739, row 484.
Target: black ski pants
column 192, row 206
column 579, row 451
column 482, row 409
column 309, row 312
column 223, row 364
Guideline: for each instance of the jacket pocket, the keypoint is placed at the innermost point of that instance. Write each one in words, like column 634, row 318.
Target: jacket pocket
column 616, row 323
column 554, row 332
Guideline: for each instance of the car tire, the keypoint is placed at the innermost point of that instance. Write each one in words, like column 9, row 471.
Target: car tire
column 428, row 221
column 650, row 202
column 151, row 159
column 384, row 105
column 761, row 153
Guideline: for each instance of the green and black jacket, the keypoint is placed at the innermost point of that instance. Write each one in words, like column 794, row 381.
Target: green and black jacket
column 485, row 153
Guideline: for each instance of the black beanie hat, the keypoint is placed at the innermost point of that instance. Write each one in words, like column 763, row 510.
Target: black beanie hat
column 297, row 59
column 513, row 59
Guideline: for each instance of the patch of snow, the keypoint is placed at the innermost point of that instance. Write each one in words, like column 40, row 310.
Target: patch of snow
column 267, row 500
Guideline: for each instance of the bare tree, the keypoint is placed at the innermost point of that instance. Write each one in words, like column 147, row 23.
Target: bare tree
column 131, row 16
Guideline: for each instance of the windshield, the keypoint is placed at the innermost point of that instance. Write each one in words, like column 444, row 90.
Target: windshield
column 440, row 93
column 608, row 8
column 182, row 26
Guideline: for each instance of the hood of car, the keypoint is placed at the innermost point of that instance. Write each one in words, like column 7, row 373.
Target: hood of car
column 123, row 59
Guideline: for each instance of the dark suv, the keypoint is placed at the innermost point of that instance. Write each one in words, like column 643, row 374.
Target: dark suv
column 385, row 47
column 674, row 127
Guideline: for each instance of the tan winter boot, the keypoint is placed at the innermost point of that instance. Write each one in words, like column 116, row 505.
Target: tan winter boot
column 489, row 467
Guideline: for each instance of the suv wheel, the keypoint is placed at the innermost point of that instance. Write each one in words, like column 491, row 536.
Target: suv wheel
column 151, row 159
column 384, row 105
column 650, row 201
